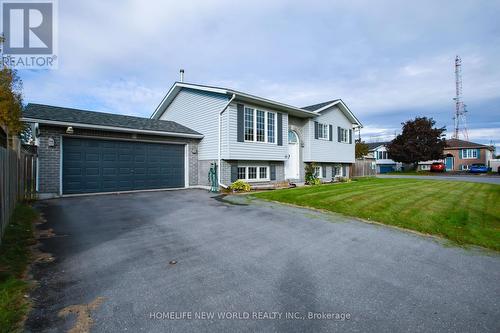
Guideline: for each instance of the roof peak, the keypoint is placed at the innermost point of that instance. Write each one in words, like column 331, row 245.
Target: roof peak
column 321, row 105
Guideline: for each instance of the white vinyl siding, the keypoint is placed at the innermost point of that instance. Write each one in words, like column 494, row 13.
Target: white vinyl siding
column 325, row 150
column 253, row 150
column 199, row 111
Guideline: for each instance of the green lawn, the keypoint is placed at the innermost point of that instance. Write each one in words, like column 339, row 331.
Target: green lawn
column 14, row 258
column 466, row 213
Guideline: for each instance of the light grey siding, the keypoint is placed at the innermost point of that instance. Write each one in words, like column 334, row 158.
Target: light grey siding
column 316, row 150
column 199, row 111
column 259, row 151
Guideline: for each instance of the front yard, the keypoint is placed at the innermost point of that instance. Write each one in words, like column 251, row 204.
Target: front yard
column 466, row 213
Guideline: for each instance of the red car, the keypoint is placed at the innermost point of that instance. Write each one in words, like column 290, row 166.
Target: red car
column 438, row 167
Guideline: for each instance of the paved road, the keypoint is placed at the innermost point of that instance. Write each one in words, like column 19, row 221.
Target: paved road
column 474, row 179
column 250, row 257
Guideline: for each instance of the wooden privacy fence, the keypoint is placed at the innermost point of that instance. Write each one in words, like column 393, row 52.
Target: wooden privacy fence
column 17, row 181
column 364, row 167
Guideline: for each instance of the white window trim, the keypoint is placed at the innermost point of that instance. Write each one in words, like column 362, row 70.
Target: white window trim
column 319, row 175
column 258, row 179
column 472, row 151
column 344, row 138
column 266, row 132
column 341, row 171
column 327, row 126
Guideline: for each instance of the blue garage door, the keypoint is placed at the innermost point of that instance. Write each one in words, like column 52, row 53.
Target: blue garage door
column 92, row 165
column 386, row 168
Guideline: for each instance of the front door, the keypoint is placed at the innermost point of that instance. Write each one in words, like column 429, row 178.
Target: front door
column 449, row 163
column 292, row 170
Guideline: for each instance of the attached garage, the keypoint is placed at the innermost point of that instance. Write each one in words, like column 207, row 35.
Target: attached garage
column 81, row 152
column 93, row 165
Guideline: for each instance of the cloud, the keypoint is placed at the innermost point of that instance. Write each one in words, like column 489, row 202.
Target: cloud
column 122, row 56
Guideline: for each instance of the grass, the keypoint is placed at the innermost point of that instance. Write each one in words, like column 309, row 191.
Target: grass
column 15, row 256
column 465, row 213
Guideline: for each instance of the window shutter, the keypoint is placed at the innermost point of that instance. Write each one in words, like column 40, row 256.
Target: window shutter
column 350, row 136
column 316, row 130
column 241, row 122
column 460, row 153
column 323, row 171
column 330, row 131
column 479, row 153
column 339, row 134
column 280, row 129
column 272, row 172
column 234, row 173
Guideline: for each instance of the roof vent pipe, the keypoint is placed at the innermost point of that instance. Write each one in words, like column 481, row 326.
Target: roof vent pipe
column 181, row 72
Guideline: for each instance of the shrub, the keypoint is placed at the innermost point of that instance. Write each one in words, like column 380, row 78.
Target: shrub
column 310, row 176
column 240, row 186
column 344, row 179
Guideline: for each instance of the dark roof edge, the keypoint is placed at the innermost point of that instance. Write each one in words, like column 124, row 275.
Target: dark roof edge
column 110, row 128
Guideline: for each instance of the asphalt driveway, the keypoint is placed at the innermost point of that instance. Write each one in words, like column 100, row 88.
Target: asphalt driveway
column 255, row 261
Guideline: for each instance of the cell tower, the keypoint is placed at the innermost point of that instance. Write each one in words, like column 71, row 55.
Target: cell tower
column 459, row 118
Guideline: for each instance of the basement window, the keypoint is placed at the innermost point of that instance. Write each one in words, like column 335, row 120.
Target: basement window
column 253, row 173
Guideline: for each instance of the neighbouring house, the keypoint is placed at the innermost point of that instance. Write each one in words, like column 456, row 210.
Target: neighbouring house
column 378, row 150
column 460, row 154
column 194, row 127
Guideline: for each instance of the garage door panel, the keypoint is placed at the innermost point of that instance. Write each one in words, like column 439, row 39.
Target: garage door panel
column 94, row 165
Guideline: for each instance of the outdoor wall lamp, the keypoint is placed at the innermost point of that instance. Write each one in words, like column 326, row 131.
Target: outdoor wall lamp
column 69, row 130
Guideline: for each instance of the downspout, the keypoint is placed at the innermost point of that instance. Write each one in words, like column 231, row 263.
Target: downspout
column 220, row 143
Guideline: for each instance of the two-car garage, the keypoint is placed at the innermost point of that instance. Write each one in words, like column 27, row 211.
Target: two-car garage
column 96, row 165
column 80, row 151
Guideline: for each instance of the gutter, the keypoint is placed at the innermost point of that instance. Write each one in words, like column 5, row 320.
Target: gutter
column 111, row 128
column 219, row 148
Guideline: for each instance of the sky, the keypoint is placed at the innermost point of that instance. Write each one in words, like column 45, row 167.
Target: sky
column 389, row 61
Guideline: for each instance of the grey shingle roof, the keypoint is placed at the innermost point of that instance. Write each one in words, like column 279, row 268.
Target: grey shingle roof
column 318, row 106
column 373, row 145
column 62, row 114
